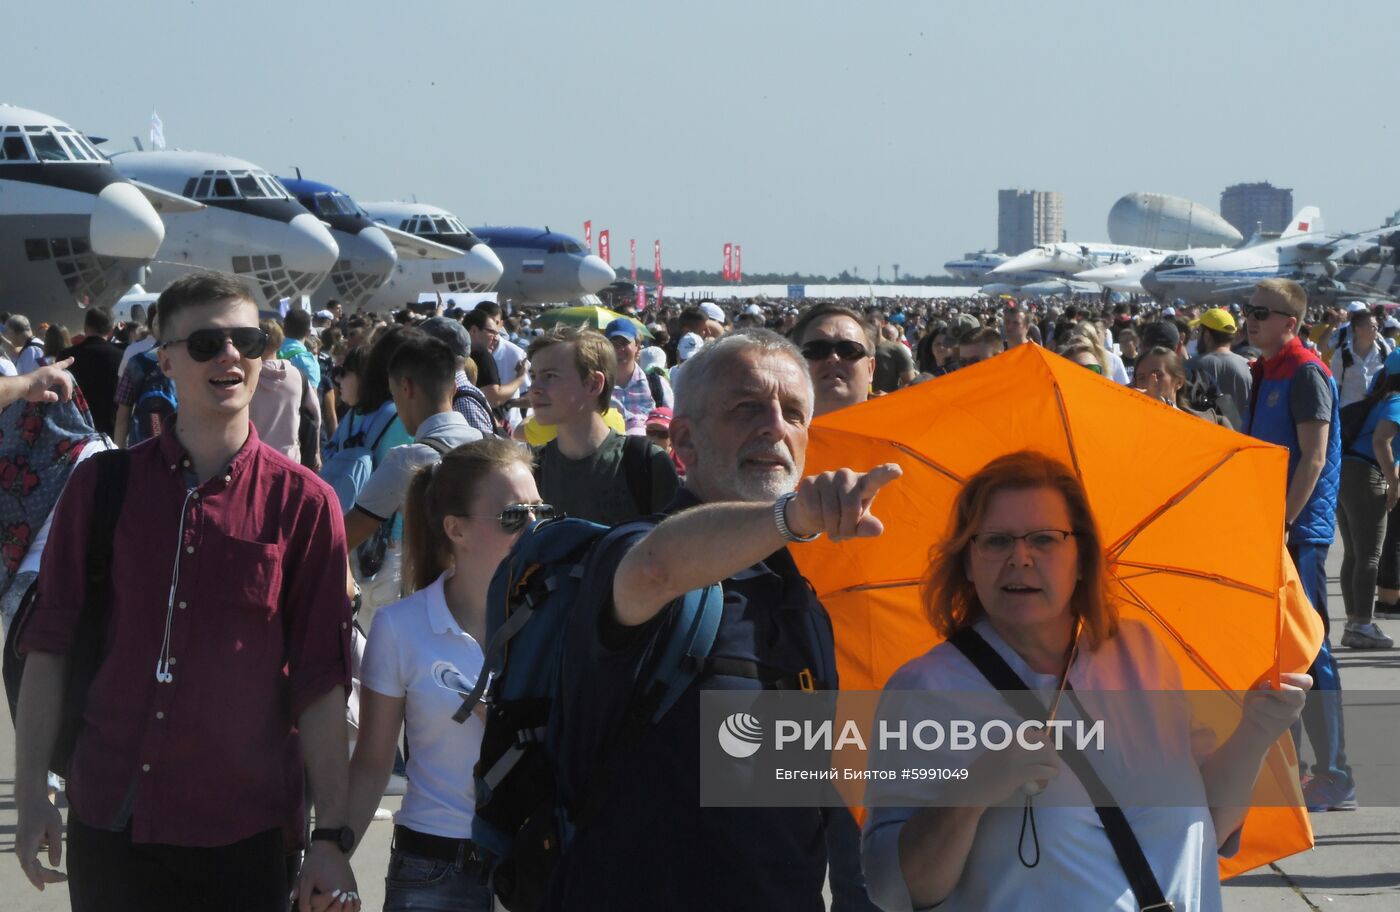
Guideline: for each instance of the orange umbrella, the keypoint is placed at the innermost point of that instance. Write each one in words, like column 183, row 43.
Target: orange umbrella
column 1192, row 515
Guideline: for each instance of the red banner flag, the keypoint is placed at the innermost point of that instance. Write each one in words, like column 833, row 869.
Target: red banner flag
column 641, row 298
column 738, row 264
column 633, row 243
column 588, row 235
column 728, row 271
column 604, row 247
column 657, row 248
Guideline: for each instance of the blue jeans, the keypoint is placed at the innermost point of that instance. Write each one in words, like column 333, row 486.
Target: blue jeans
column 1322, row 716
column 424, row 884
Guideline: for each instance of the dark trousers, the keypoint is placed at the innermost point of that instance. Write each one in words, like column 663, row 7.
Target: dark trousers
column 1322, row 714
column 844, row 872
column 1388, row 572
column 110, row 873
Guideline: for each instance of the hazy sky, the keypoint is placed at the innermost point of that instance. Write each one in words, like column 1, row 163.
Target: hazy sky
column 819, row 135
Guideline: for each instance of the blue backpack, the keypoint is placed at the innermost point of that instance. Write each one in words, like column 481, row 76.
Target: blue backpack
column 156, row 402
column 352, row 462
column 526, row 798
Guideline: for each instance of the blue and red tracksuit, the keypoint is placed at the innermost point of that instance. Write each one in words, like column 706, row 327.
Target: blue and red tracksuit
column 1270, row 418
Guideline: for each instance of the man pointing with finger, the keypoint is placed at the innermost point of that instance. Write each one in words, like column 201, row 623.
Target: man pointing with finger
column 740, row 425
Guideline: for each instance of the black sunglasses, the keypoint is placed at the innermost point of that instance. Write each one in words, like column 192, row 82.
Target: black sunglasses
column 821, row 349
column 516, row 516
column 1262, row 313
column 207, row 344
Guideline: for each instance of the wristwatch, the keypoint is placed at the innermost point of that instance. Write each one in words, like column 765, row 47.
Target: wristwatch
column 780, row 519
column 343, row 837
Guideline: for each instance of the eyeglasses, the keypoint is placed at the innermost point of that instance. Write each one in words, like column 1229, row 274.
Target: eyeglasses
column 207, row 344
column 1260, row 314
column 1001, row 544
column 846, row 350
column 516, row 516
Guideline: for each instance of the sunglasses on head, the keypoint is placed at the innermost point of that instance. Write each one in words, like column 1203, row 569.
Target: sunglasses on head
column 207, row 344
column 517, row 516
column 821, row 349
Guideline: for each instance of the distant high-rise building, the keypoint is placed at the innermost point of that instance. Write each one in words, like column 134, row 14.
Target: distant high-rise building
column 1028, row 218
column 1259, row 206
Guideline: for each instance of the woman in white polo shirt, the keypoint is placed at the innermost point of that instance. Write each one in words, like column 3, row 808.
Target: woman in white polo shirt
column 461, row 517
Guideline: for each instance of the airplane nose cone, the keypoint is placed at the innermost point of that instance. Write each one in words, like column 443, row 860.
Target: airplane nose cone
column 309, row 247
column 483, row 266
column 378, row 255
column 1099, row 274
column 1026, row 262
column 124, row 224
column 594, row 275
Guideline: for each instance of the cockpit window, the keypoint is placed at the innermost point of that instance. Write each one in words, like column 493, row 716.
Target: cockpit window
column 13, row 149
column 572, row 247
column 442, row 225
column 48, row 148
column 457, row 227
column 222, row 185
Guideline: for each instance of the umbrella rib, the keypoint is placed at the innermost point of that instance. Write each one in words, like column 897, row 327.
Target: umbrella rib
column 1128, row 537
column 1064, row 423
column 1186, row 647
column 868, row 587
column 1196, row 574
column 919, row 457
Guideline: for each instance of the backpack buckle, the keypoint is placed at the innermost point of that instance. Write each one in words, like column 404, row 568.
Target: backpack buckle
column 805, row 681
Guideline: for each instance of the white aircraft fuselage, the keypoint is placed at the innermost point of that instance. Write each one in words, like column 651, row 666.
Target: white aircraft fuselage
column 73, row 231
column 247, row 224
column 472, row 267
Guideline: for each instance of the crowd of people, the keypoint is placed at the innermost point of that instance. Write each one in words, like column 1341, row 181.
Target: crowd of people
column 315, row 507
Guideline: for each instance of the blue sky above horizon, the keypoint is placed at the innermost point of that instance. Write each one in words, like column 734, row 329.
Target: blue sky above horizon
column 821, row 136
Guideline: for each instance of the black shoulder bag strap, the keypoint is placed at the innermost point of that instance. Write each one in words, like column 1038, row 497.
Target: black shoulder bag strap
column 636, row 466
column 1120, row 833
column 85, row 655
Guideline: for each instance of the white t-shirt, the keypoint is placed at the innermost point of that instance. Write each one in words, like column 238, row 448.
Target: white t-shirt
column 384, row 492
column 508, row 356
column 413, row 643
column 1077, row 868
column 31, row 356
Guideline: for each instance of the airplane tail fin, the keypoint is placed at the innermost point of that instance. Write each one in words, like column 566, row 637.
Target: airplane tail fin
column 1307, row 221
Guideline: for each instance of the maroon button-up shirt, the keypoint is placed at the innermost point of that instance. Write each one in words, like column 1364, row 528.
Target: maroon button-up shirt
column 259, row 630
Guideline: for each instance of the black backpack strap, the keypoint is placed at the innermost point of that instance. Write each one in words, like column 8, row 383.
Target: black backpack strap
column 654, row 383
column 1120, row 833
column 636, row 468
column 442, row 446
column 85, row 655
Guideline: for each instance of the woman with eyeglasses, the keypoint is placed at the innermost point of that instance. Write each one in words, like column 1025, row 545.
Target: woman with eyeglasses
column 461, row 517
column 1021, row 577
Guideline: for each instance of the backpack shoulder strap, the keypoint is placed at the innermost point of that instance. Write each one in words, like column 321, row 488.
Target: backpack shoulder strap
column 654, row 383
column 1120, row 833
column 441, row 446
column 636, row 466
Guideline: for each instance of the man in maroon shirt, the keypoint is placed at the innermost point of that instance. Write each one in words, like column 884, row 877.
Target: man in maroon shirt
column 226, row 657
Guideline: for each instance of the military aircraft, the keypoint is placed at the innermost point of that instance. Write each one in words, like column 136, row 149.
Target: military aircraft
column 73, row 231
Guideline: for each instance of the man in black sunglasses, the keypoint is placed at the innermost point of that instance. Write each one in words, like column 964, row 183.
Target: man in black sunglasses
column 839, row 347
column 231, row 661
column 1293, row 402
